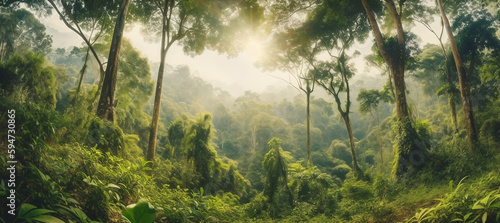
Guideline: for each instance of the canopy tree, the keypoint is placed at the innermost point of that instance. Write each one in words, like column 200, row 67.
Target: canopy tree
column 28, row 79
column 410, row 152
column 464, row 83
column 476, row 38
column 21, row 31
column 329, row 26
column 275, row 166
column 196, row 25
column 199, row 149
column 334, row 78
column 287, row 56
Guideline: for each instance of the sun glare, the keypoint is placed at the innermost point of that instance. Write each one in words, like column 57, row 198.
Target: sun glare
column 255, row 48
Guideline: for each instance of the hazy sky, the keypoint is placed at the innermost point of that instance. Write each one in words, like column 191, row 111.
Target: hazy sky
column 235, row 75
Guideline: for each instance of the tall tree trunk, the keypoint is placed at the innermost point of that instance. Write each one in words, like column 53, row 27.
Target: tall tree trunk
column 156, row 112
column 464, row 84
column 409, row 151
column 150, row 156
column 348, row 125
column 105, row 105
column 308, row 126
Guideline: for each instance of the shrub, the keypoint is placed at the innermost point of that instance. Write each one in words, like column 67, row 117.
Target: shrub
column 105, row 136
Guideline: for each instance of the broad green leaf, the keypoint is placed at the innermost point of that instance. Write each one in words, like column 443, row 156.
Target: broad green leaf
column 485, row 216
column 25, row 208
column 142, row 212
column 47, row 219
column 37, row 212
column 467, row 216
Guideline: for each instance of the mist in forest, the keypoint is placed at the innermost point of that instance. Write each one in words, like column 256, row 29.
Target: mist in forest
column 250, row 111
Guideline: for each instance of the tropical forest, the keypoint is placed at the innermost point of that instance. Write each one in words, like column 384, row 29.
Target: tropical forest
column 141, row 111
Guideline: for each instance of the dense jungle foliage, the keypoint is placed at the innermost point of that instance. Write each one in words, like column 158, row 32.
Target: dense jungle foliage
column 401, row 144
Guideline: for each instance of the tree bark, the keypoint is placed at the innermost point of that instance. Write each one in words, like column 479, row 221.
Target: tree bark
column 348, row 125
column 105, row 105
column 464, row 84
column 308, row 125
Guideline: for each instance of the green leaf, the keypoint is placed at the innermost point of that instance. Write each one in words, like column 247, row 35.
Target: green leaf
column 37, row 212
column 485, row 216
column 467, row 216
column 113, row 186
column 481, row 204
column 47, row 219
column 30, row 212
column 495, row 205
column 147, row 168
column 25, row 208
column 142, row 212
column 71, row 200
column 201, row 191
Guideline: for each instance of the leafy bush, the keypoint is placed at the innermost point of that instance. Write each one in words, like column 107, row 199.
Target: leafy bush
column 357, row 198
column 341, row 171
column 105, row 136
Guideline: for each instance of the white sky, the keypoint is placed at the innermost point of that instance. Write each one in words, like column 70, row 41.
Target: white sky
column 235, row 75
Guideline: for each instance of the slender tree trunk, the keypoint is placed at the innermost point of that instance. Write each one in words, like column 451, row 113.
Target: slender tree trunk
column 308, row 127
column 82, row 72
column 348, row 125
column 156, row 113
column 464, row 84
column 150, row 156
column 105, row 105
